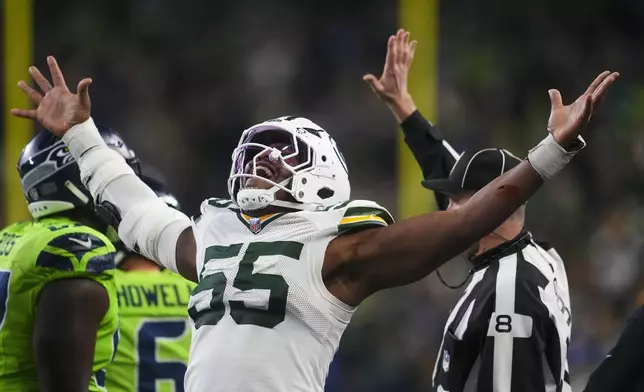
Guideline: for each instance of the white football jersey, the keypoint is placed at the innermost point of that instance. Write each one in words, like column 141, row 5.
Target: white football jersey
column 263, row 318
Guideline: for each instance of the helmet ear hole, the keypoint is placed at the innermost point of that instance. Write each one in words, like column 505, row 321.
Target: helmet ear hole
column 325, row 193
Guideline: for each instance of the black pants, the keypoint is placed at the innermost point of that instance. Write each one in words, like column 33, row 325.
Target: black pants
column 623, row 368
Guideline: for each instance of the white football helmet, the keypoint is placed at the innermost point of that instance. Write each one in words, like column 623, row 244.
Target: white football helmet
column 320, row 178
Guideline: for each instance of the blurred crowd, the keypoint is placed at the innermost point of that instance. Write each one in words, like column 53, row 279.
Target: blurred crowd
column 181, row 80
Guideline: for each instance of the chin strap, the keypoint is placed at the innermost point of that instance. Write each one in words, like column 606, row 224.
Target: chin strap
column 253, row 199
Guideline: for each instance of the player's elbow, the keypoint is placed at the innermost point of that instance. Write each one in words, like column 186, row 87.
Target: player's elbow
column 154, row 229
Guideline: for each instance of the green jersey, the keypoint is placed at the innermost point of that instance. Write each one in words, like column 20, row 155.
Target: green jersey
column 155, row 334
column 33, row 254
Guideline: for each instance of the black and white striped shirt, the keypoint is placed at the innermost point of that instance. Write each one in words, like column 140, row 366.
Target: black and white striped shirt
column 510, row 330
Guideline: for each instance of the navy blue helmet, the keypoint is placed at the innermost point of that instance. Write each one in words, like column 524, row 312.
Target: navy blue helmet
column 162, row 191
column 50, row 177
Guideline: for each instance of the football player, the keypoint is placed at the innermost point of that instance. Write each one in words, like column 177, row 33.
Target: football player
column 282, row 264
column 153, row 311
column 58, row 307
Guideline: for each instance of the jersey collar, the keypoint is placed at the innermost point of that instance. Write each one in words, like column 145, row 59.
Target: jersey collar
column 505, row 249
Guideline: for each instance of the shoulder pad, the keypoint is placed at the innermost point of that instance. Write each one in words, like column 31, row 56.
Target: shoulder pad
column 214, row 202
column 79, row 249
column 362, row 214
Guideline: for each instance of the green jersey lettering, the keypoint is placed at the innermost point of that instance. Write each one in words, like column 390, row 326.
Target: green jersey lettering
column 153, row 351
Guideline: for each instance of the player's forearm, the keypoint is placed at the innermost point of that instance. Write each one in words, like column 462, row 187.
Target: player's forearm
column 411, row 249
column 447, row 235
column 144, row 221
column 100, row 167
column 493, row 204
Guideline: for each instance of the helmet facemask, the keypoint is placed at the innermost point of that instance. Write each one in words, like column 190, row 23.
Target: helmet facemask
column 266, row 152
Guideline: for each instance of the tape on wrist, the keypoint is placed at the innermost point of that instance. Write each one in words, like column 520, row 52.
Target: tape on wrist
column 82, row 137
column 548, row 158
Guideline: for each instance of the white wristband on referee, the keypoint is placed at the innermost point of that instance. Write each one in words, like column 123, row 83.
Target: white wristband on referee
column 548, row 158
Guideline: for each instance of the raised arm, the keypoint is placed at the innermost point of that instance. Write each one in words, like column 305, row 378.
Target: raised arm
column 434, row 154
column 144, row 221
column 360, row 264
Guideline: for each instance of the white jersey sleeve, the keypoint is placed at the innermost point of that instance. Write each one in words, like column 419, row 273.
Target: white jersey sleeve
column 362, row 214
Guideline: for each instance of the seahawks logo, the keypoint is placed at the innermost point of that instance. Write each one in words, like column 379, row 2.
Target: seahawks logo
column 60, row 155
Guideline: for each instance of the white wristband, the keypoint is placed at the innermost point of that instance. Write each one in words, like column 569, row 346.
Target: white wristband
column 82, row 137
column 548, row 158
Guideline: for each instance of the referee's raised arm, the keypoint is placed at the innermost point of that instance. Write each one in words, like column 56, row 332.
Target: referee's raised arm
column 434, row 154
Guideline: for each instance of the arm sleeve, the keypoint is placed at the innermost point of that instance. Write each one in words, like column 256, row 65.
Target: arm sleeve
column 434, row 155
column 148, row 225
column 621, row 369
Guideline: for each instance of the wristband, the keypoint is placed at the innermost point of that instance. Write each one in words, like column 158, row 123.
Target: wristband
column 82, row 137
column 548, row 158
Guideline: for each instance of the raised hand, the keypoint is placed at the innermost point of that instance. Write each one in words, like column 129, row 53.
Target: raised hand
column 59, row 109
column 391, row 87
column 566, row 122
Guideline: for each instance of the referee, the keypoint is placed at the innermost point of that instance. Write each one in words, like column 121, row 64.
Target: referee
column 510, row 330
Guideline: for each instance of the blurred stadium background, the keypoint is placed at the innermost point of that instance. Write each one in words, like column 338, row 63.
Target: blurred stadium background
column 180, row 80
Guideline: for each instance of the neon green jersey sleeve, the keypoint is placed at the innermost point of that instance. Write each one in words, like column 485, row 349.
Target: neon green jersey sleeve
column 153, row 352
column 33, row 254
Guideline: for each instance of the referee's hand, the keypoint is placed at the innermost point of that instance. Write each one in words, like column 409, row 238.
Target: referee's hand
column 566, row 122
column 391, row 87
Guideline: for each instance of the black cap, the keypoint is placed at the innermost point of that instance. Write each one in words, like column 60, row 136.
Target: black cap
column 474, row 171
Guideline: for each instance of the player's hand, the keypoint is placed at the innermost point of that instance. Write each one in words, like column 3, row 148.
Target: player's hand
column 566, row 122
column 391, row 87
column 59, row 109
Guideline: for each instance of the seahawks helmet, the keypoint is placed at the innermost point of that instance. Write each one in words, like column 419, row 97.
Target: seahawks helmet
column 161, row 191
column 50, row 177
column 319, row 179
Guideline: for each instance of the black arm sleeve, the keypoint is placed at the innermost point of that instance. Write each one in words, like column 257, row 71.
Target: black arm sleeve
column 426, row 144
column 622, row 368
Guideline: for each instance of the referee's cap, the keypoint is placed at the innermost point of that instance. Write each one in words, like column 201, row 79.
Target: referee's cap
column 474, row 171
